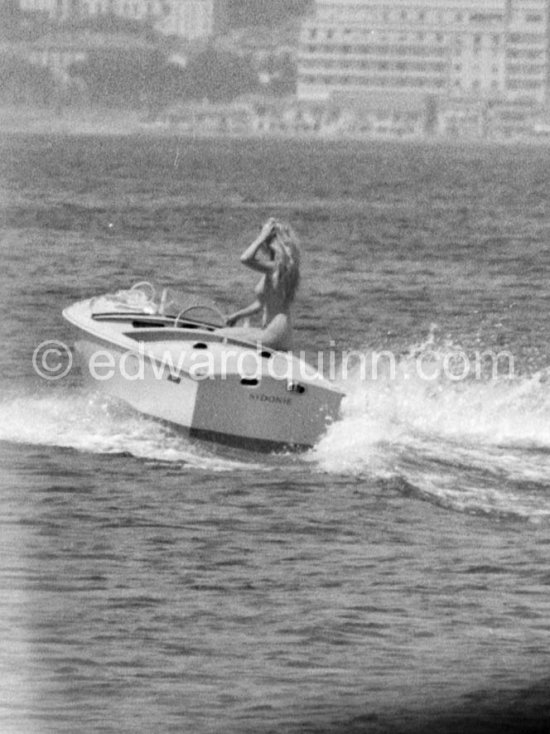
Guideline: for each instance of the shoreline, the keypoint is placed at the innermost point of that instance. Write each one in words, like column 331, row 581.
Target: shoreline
column 132, row 123
column 46, row 121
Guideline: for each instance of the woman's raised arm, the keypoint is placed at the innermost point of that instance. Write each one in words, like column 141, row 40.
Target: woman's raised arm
column 249, row 256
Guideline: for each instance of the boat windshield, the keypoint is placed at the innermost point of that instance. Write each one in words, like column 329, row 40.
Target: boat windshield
column 146, row 298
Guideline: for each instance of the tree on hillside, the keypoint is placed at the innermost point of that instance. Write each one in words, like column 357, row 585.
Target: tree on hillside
column 171, row 87
column 9, row 11
column 244, row 13
column 283, row 77
column 10, row 20
column 135, row 78
column 23, row 83
column 219, row 76
column 110, row 24
column 130, row 78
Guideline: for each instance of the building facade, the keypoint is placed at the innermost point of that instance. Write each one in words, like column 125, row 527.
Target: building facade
column 481, row 49
column 73, row 10
column 193, row 19
column 188, row 19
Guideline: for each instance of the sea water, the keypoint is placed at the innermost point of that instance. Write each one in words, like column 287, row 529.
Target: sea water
column 393, row 577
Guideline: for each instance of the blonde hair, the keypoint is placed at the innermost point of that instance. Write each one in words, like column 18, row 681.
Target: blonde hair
column 287, row 249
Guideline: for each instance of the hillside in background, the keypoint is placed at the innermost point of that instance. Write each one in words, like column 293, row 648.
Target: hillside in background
column 265, row 12
column 242, row 14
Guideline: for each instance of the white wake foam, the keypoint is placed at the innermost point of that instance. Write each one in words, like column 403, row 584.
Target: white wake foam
column 463, row 443
column 94, row 423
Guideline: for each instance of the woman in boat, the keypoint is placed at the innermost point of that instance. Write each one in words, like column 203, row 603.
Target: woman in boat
column 274, row 253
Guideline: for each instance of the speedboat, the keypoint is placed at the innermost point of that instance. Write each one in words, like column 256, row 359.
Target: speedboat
column 176, row 361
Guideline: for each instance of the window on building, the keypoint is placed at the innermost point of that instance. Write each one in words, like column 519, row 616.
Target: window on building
column 422, row 16
column 458, row 17
column 313, row 33
column 529, row 69
column 403, row 15
column 523, row 84
column 533, row 18
column 527, row 38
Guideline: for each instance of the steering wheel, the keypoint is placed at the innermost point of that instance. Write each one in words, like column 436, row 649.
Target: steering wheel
column 212, row 309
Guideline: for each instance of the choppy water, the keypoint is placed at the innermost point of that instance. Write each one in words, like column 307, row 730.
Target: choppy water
column 394, row 577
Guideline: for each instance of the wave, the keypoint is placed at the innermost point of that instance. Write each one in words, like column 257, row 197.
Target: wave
column 94, row 423
column 476, row 445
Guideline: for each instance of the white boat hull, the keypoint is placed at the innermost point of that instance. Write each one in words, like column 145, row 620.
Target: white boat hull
column 205, row 384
